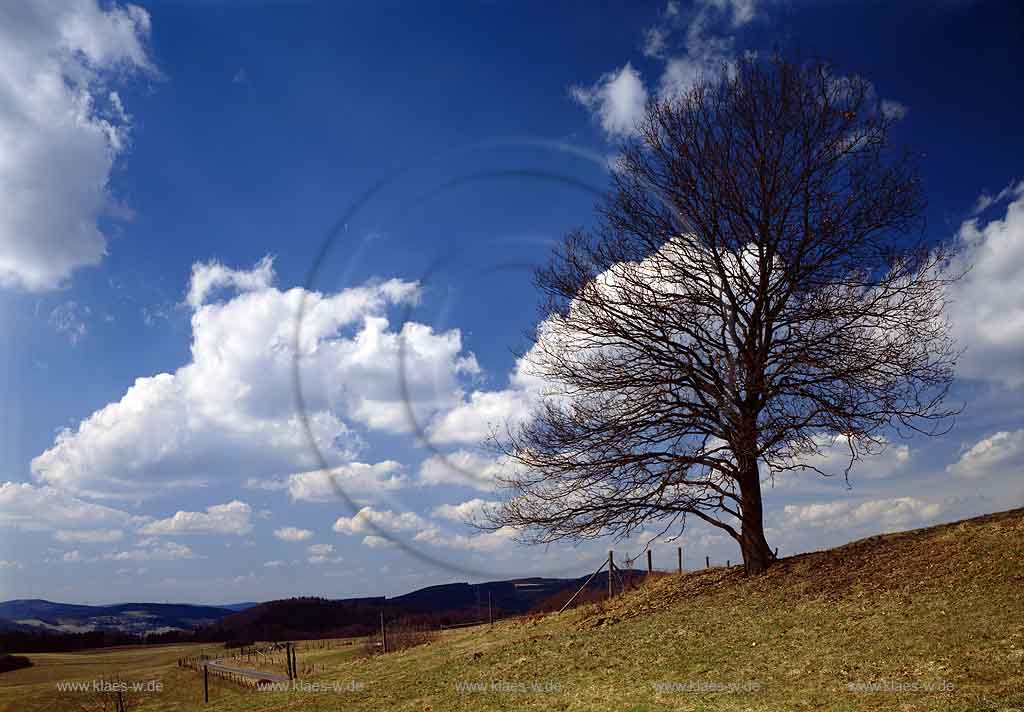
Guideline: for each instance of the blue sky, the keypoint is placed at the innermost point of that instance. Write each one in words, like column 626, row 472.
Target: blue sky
column 171, row 171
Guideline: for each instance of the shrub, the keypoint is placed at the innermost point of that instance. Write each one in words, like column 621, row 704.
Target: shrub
column 13, row 662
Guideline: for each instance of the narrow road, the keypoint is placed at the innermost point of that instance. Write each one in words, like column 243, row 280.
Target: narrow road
column 245, row 672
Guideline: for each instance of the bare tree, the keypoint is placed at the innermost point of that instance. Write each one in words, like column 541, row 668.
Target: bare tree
column 757, row 291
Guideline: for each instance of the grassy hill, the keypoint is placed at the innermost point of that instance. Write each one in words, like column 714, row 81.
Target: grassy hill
column 931, row 619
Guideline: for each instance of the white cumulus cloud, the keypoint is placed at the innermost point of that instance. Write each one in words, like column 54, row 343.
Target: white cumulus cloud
column 321, row 554
column 987, row 304
column 61, row 129
column 880, row 515
column 210, row 276
column 40, row 508
column 149, row 550
column 231, row 409
column 234, row 517
column 465, row 468
column 617, row 100
column 464, row 511
column 377, row 542
column 367, row 518
column 293, row 534
column 322, row 485
column 834, row 457
column 498, row 540
column 89, row 536
column 1001, row 453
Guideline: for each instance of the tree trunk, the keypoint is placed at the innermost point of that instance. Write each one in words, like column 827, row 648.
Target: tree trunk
column 757, row 556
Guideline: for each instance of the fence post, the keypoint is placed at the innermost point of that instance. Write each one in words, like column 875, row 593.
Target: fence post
column 490, row 610
column 680, row 552
column 611, row 572
column 650, row 566
column 206, row 683
column 707, row 562
column 383, row 634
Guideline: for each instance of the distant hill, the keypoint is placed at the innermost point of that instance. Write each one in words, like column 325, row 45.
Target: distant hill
column 7, row 626
column 297, row 617
column 238, row 606
column 514, row 596
column 49, row 617
column 444, row 604
column 38, row 608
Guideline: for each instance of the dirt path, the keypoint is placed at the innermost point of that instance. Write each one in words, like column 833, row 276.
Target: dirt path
column 255, row 674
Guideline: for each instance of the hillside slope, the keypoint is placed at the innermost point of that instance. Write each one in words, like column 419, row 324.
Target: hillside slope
column 931, row 620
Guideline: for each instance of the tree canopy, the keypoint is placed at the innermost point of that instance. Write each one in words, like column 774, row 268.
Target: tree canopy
column 756, row 291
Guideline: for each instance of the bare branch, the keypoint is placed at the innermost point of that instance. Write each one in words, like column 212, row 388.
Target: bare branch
column 753, row 291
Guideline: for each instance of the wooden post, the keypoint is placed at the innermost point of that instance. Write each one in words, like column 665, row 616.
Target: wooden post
column 726, row 563
column 611, row 569
column 383, row 634
column 707, row 562
column 490, row 610
column 776, row 552
column 650, row 566
column 206, row 684
column 680, row 552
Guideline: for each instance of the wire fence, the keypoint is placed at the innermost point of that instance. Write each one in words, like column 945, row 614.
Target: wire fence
column 261, row 663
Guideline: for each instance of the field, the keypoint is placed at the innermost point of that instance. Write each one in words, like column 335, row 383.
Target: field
column 925, row 620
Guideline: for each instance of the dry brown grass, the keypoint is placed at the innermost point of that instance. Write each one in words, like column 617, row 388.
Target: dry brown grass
column 962, row 556
column 402, row 635
column 939, row 605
